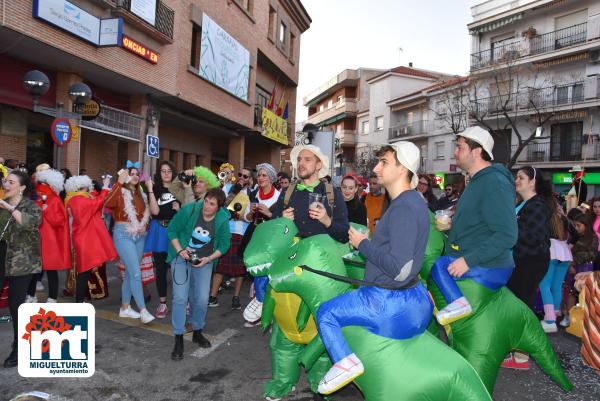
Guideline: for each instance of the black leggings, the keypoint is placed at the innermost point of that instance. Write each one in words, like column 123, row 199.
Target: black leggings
column 526, row 277
column 52, row 283
column 81, row 286
column 16, row 296
column 161, row 265
column 33, row 284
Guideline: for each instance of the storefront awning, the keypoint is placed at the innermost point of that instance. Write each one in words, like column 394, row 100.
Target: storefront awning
column 491, row 26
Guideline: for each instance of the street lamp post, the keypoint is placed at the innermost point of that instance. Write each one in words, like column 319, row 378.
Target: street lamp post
column 37, row 84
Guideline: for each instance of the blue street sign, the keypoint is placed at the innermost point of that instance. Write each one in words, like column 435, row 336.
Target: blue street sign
column 61, row 131
column 152, row 146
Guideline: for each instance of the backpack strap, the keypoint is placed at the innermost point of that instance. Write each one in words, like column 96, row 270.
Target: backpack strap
column 330, row 197
column 288, row 194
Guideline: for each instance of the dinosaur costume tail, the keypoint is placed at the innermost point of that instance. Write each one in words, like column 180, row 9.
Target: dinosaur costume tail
column 500, row 323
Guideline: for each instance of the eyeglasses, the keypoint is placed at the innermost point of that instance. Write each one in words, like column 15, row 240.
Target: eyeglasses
column 422, row 183
column 166, row 171
column 448, row 189
column 243, row 175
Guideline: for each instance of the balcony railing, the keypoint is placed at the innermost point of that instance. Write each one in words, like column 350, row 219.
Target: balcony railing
column 522, row 47
column 164, row 19
column 345, row 106
column 557, row 152
column 116, row 122
column 414, row 128
column 534, row 98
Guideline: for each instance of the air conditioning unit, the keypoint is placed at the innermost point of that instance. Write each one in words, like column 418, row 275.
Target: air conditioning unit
column 594, row 56
column 592, row 87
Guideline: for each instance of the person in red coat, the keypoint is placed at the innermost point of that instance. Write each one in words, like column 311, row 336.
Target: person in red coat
column 91, row 240
column 54, row 230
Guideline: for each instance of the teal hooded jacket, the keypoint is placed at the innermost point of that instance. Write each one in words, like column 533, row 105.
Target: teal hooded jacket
column 484, row 227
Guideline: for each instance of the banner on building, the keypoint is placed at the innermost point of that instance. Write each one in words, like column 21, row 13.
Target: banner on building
column 223, row 60
column 145, row 9
column 274, row 127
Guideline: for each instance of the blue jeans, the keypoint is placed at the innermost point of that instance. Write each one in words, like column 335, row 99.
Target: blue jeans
column 130, row 251
column 551, row 284
column 492, row 278
column 191, row 283
column 397, row 314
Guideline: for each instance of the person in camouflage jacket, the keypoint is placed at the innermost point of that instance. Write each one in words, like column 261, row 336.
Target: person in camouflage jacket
column 20, row 219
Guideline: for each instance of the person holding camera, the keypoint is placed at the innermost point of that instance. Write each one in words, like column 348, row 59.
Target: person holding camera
column 20, row 219
column 199, row 235
column 163, row 206
column 129, row 206
column 191, row 185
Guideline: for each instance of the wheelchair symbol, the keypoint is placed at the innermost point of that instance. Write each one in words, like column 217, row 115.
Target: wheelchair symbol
column 152, row 146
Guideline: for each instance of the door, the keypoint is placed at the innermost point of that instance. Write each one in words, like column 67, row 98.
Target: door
column 565, row 141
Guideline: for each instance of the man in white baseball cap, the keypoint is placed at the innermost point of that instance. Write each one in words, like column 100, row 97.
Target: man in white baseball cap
column 394, row 257
column 484, row 226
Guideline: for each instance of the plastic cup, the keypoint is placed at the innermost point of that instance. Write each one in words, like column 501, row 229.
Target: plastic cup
column 314, row 200
column 442, row 219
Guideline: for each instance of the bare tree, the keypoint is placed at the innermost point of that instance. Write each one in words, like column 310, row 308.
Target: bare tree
column 366, row 159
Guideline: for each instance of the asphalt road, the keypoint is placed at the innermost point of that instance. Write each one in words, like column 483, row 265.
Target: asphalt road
column 134, row 364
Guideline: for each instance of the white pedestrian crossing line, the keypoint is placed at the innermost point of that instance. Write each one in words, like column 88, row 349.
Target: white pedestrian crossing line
column 215, row 341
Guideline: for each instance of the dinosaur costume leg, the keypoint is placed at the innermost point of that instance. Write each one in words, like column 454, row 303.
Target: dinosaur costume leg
column 317, row 371
column 284, row 364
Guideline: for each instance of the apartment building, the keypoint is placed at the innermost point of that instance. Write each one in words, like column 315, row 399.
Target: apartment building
column 536, row 67
column 152, row 70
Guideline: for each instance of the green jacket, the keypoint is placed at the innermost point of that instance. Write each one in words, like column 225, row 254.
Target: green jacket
column 184, row 222
column 23, row 255
column 484, row 227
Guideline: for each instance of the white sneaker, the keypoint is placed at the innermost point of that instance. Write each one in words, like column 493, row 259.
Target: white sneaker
column 566, row 322
column 130, row 313
column 454, row 311
column 146, row 316
column 341, row 374
column 51, row 301
column 39, row 286
column 31, row 300
column 549, row 327
column 253, row 311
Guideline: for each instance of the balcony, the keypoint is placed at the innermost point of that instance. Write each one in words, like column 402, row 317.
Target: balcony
column 548, row 152
column 116, row 122
column 538, row 44
column 412, row 129
column 339, row 111
column 346, row 137
column 534, row 99
column 162, row 30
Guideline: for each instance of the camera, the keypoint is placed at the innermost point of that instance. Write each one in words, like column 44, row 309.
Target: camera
column 222, row 175
column 194, row 258
column 237, row 206
column 105, row 176
column 183, row 177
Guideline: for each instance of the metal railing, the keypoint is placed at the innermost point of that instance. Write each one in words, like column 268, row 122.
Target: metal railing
column 165, row 16
column 116, row 122
column 533, row 98
column 547, row 42
column 570, row 36
column 414, row 128
column 558, row 152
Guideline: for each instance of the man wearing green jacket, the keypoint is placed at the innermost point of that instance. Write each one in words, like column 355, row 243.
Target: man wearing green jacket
column 199, row 235
column 484, row 227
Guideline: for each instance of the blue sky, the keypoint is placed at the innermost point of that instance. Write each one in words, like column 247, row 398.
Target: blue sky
column 367, row 33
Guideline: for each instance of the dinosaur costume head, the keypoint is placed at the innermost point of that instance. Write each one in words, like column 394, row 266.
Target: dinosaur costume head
column 269, row 240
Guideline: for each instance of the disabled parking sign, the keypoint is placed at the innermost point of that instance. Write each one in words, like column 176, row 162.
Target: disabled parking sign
column 61, row 131
column 152, row 146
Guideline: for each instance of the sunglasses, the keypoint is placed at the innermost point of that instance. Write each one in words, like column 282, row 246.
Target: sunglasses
column 243, row 175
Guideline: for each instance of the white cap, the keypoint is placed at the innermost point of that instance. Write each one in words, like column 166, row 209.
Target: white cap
column 409, row 155
column 314, row 150
column 480, row 136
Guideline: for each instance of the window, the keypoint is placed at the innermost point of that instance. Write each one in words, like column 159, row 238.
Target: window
column 272, row 23
column 247, row 5
column 379, row 123
column 322, row 107
column 565, row 141
column 440, row 150
column 330, row 103
column 282, row 32
column 340, row 99
column 569, row 93
column 196, row 37
column 364, row 127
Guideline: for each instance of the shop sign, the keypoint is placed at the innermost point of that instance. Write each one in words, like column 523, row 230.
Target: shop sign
column 75, row 133
column 274, row 127
column 91, row 110
column 78, row 22
column 61, row 131
column 223, row 60
column 567, row 178
column 138, row 49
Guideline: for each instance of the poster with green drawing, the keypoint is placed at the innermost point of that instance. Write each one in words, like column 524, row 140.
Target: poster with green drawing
column 223, row 60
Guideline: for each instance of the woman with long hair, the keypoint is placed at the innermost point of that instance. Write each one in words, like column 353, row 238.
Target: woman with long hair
column 20, row 219
column 89, row 236
column 357, row 212
column 163, row 206
column 129, row 207
column 532, row 250
column 424, row 188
